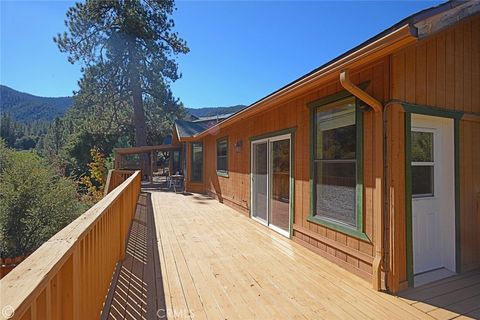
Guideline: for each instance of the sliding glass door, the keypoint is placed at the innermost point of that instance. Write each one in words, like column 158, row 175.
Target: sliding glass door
column 271, row 172
column 260, row 180
column 280, row 182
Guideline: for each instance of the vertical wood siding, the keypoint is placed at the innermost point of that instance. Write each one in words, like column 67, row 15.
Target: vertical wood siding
column 470, row 195
column 234, row 190
column 442, row 71
column 395, row 197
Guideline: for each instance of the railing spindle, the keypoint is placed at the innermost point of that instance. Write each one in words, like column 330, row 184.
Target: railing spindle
column 68, row 277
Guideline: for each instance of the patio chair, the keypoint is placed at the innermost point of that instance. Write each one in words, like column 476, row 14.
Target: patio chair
column 176, row 183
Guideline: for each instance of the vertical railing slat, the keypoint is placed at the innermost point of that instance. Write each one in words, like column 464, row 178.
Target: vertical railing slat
column 76, row 295
column 48, row 301
column 33, row 310
column 74, row 285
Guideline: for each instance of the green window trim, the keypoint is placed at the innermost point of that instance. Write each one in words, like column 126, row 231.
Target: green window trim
column 436, row 112
column 338, row 226
column 200, row 180
column 221, row 172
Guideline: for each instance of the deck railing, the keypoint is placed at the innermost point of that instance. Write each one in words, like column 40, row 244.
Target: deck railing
column 68, row 277
column 115, row 178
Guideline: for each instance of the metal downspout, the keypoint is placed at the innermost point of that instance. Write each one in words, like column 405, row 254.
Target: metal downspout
column 379, row 175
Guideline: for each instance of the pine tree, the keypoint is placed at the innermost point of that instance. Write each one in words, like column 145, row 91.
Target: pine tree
column 127, row 48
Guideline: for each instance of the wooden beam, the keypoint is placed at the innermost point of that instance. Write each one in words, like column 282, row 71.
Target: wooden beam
column 147, row 149
column 461, row 10
column 471, row 117
column 359, row 93
column 150, row 173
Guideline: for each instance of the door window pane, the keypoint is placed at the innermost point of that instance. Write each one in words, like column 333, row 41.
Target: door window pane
column 280, row 199
column 422, row 146
column 422, row 181
column 260, row 180
column 422, row 164
column 197, row 162
column 176, row 162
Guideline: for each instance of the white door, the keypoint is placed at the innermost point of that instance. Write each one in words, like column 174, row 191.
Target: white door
column 433, row 195
column 271, row 182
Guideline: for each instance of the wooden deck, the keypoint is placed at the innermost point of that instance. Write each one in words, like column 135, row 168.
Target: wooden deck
column 137, row 288
column 448, row 298
column 192, row 257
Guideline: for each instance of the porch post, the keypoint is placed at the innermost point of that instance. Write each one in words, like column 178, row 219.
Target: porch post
column 151, row 167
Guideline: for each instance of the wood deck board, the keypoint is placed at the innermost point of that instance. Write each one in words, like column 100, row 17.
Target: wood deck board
column 252, row 272
column 215, row 263
column 135, row 292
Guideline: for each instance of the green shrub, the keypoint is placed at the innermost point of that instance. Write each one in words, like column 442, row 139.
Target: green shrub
column 35, row 202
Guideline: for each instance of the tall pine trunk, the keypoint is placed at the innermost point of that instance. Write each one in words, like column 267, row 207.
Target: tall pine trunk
column 138, row 111
column 136, row 90
column 138, row 116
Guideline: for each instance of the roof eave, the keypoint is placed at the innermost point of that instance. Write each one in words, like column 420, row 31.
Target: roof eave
column 375, row 50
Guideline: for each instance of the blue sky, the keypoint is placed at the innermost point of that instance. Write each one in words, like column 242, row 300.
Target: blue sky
column 240, row 50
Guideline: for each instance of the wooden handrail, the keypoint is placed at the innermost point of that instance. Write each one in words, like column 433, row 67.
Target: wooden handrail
column 68, row 277
column 115, row 178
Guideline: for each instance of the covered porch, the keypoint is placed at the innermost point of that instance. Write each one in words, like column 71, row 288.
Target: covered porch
column 150, row 157
column 190, row 256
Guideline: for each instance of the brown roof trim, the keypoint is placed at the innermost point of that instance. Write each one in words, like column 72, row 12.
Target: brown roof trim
column 373, row 51
column 399, row 35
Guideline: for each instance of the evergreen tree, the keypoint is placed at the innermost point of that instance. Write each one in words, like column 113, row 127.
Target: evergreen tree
column 35, row 203
column 21, row 136
column 127, row 48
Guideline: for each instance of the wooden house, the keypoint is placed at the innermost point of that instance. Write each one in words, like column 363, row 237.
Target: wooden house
column 371, row 160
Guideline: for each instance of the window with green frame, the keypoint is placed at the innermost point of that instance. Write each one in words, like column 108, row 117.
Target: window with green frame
column 337, row 165
column 222, row 155
column 196, row 163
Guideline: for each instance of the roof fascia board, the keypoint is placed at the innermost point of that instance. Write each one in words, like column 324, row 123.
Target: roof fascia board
column 435, row 23
column 146, row 149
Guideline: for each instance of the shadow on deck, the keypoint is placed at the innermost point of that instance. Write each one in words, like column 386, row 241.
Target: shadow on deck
column 448, row 298
column 137, row 287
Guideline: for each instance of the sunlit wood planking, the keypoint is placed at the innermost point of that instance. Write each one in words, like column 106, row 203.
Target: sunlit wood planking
column 219, row 264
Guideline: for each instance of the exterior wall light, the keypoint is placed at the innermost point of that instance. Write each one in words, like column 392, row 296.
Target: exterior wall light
column 238, row 146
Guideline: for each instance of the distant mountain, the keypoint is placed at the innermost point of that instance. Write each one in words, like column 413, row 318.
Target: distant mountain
column 213, row 111
column 24, row 107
